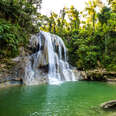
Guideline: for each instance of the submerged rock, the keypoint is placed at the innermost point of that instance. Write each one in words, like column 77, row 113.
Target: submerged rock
column 109, row 105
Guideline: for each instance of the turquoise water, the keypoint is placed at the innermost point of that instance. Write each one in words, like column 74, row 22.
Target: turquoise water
column 67, row 99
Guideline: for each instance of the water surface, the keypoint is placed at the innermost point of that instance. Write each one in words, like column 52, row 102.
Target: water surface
column 67, row 99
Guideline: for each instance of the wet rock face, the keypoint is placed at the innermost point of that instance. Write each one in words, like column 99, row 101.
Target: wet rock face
column 109, row 105
column 34, row 44
column 13, row 75
column 44, row 68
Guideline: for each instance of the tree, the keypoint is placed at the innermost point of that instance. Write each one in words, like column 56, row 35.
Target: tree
column 91, row 9
column 113, row 5
column 103, row 17
column 17, row 22
column 73, row 15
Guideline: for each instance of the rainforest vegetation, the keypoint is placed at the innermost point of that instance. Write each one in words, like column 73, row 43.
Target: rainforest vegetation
column 89, row 35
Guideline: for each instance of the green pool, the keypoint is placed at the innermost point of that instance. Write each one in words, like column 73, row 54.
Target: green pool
column 67, row 99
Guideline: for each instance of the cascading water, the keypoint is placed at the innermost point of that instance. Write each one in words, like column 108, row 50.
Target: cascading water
column 49, row 61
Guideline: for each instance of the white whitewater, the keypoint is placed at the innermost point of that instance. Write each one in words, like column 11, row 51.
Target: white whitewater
column 50, row 55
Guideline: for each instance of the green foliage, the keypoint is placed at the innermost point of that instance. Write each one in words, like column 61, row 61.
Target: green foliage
column 92, row 45
column 17, row 22
column 11, row 37
column 104, row 15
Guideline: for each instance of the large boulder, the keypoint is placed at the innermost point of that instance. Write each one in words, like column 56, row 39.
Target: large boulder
column 109, row 104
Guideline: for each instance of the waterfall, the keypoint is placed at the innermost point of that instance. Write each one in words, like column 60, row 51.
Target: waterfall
column 49, row 60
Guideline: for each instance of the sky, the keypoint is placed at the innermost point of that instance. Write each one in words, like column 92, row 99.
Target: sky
column 56, row 5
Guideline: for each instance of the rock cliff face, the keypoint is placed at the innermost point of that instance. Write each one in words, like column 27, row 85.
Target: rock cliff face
column 13, row 75
column 16, row 74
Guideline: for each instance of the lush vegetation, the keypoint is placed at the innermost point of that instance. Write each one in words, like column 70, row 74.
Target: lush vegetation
column 90, row 35
column 91, row 40
column 17, row 19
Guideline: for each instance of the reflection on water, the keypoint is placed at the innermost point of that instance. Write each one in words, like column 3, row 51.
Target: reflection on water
column 68, row 99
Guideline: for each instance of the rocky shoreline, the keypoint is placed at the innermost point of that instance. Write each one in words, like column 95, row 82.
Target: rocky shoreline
column 99, row 75
column 12, row 72
column 14, row 76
